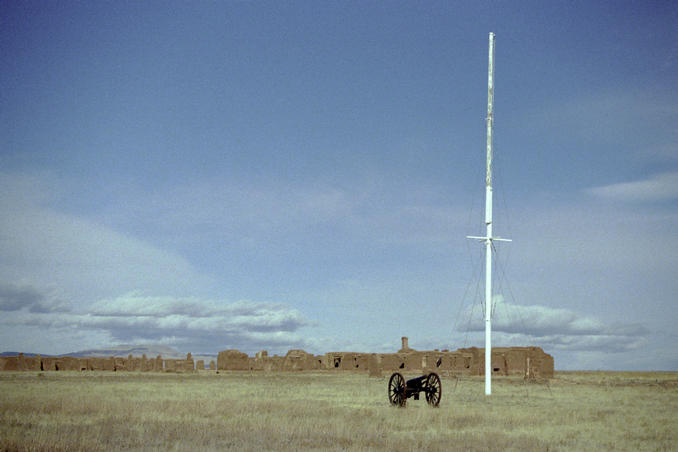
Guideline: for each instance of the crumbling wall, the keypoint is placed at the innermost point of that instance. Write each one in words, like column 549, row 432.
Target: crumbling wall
column 71, row 363
column 391, row 362
column 232, row 360
column 20, row 362
column 146, row 364
column 60, row 363
column 95, row 364
column 157, row 364
column 436, row 361
column 133, row 364
column 538, row 364
column 29, row 362
column 334, row 360
column 516, row 361
column 179, row 365
column 374, row 365
column 345, row 361
column 169, row 365
column 527, row 361
column 276, row 363
column 9, row 363
column 260, row 361
column 359, row 361
column 531, row 362
column 188, row 364
column 301, row 360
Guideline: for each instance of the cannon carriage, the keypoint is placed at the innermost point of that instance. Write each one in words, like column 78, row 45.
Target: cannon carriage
column 399, row 390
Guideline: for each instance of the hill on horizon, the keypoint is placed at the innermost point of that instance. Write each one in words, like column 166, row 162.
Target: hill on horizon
column 122, row 351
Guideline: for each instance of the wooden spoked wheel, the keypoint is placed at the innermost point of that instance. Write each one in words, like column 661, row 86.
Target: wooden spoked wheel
column 396, row 390
column 433, row 389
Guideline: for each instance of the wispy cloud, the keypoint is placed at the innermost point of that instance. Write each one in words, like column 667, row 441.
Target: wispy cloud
column 664, row 153
column 614, row 116
column 85, row 259
column 244, row 213
column 656, row 188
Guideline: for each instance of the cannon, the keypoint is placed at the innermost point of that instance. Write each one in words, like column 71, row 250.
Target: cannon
column 399, row 391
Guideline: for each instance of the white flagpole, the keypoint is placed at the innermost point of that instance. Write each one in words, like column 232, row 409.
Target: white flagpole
column 488, row 224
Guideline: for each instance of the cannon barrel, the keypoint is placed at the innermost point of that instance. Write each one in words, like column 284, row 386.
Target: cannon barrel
column 416, row 384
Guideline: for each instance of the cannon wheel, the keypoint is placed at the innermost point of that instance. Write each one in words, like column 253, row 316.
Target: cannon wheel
column 433, row 389
column 396, row 390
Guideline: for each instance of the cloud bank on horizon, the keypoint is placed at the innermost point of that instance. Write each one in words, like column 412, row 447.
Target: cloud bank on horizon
column 264, row 176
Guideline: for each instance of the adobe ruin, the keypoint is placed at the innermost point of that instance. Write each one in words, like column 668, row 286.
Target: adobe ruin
column 64, row 363
column 530, row 362
column 232, row 360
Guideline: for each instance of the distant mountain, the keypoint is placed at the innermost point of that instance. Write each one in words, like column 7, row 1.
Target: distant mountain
column 123, row 351
column 4, row 354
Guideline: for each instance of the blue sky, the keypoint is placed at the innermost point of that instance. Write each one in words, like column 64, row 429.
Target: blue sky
column 276, row 175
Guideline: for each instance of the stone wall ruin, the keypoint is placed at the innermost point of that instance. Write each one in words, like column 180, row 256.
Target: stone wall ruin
column 529, row 362
column 113, row 364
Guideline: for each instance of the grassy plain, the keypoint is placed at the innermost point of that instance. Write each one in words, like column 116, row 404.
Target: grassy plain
column 333, row 411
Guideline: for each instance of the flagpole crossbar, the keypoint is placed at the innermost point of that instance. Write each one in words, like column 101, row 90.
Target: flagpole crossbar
column 491, row 239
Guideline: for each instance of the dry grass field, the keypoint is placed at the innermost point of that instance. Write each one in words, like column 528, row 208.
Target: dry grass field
column 333, row 411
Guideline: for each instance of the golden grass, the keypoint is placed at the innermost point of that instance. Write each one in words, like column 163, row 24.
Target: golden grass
column 333, row 411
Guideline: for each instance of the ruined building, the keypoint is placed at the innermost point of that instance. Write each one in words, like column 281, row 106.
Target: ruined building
column 530, row 362
column 130, row 363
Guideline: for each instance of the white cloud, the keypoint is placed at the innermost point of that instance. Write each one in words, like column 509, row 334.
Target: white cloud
column 196, row 314
column 656, row 188
column 558, row 328
column 192, row 323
